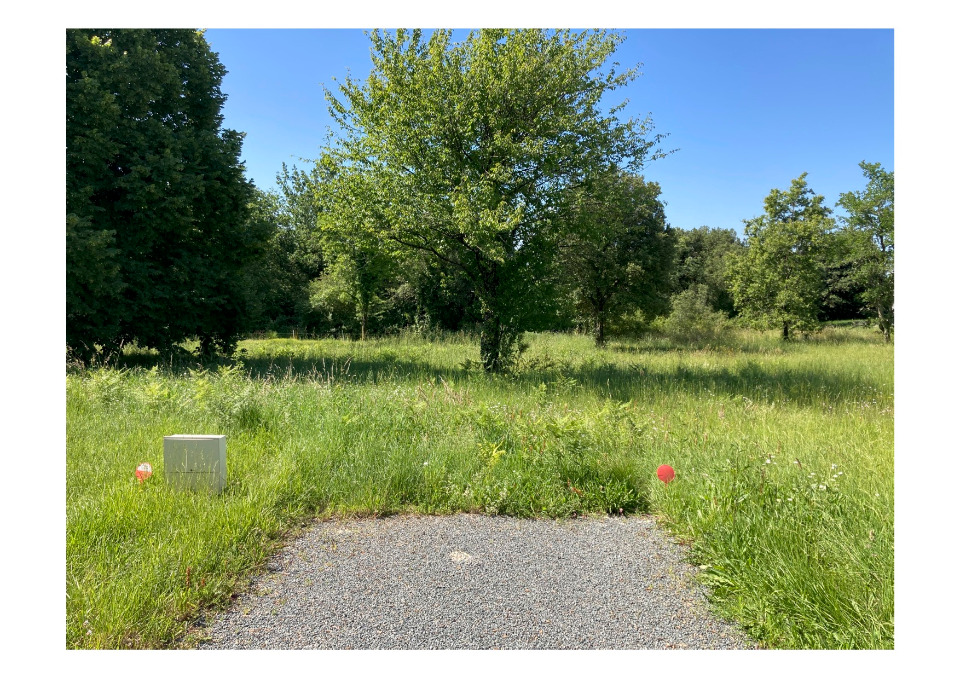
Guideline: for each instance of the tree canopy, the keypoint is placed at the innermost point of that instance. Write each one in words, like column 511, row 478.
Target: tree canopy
column 466, row 151
column 779, row 278
column 618, row 256
column 489, row 184
column 702, row 257
column 157, row 229
column 869, row 227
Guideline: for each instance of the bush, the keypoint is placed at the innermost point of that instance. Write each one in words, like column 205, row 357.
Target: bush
column 633, row 324
column 693, row 320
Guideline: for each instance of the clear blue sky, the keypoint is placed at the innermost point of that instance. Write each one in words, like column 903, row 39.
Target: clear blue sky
column 747, row 110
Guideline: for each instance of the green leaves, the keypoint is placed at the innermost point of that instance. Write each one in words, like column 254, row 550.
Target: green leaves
column 779, row 279
column 464, row 151
column 869, row 231
column 156, row 198
column 702, row 257
column 618, row 254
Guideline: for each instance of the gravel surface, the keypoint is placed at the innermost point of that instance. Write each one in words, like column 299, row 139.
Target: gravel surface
column 475, row 582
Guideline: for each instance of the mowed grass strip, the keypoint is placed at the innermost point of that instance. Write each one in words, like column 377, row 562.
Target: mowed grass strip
column 783, row 453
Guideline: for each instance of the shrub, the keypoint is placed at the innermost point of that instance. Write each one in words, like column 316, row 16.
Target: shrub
column 693, row 320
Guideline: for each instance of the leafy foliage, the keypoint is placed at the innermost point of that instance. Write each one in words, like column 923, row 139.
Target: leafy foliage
column 869, row 231
column 778, row 280
column 362, row 269
column 156, row 199
column 693, row 320
column 275, row 285
column 703, row 255
column 618, row 257
column 465, row 152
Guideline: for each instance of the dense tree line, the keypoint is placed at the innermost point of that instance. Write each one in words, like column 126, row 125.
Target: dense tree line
column 620, row 265
column 476, row 185
column 799, row 266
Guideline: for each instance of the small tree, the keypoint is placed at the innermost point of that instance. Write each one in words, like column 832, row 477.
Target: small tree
column 357, row 279
column 692, row 318
column 300, row 214
column 350, row 221
column 618, row 256
column 869, row 230
column 778, row 280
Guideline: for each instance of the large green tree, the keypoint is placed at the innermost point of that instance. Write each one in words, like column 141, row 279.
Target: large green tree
column 157, row 229
column 868, row 228
column 778, row 280
column 469, row 148
column 619, row 255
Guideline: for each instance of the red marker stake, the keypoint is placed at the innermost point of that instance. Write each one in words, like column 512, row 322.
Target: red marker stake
column 665, row 473
column 143, row 472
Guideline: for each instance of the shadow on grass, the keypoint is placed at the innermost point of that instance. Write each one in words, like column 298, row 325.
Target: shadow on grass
column 729, row 347
column 680, row 348
column 753, row 381
column 333, row 368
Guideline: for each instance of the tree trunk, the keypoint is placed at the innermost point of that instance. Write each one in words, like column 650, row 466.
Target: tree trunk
column 884, row 323
column 599, row 333
column 364, row 312
column 491, row 338
column 491, row 325
column 786, row 331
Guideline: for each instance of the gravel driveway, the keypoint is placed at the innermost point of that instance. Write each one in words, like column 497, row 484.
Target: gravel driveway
column 475, row 582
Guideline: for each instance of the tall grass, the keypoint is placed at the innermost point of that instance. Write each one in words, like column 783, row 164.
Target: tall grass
column 783, row 453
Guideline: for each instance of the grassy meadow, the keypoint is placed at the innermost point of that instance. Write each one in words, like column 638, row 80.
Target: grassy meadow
column 783, row 454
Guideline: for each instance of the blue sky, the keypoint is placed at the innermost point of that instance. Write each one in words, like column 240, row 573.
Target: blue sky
column 747, row 110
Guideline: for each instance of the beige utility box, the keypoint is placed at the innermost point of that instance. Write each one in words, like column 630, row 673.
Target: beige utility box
column 195, row 462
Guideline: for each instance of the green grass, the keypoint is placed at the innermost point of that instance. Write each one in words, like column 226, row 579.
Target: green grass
column 783, row 453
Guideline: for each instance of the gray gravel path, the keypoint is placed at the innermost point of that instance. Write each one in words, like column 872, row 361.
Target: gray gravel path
column 475, row 582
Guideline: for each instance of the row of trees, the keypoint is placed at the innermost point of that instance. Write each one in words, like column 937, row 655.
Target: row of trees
column 477, row 184
column 798, row 262
column 621, row 266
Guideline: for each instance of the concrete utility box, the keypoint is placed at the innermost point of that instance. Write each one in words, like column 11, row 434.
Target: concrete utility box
column 195, row 462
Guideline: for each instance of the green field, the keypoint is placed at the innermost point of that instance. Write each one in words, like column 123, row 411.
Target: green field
column 783, row 453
